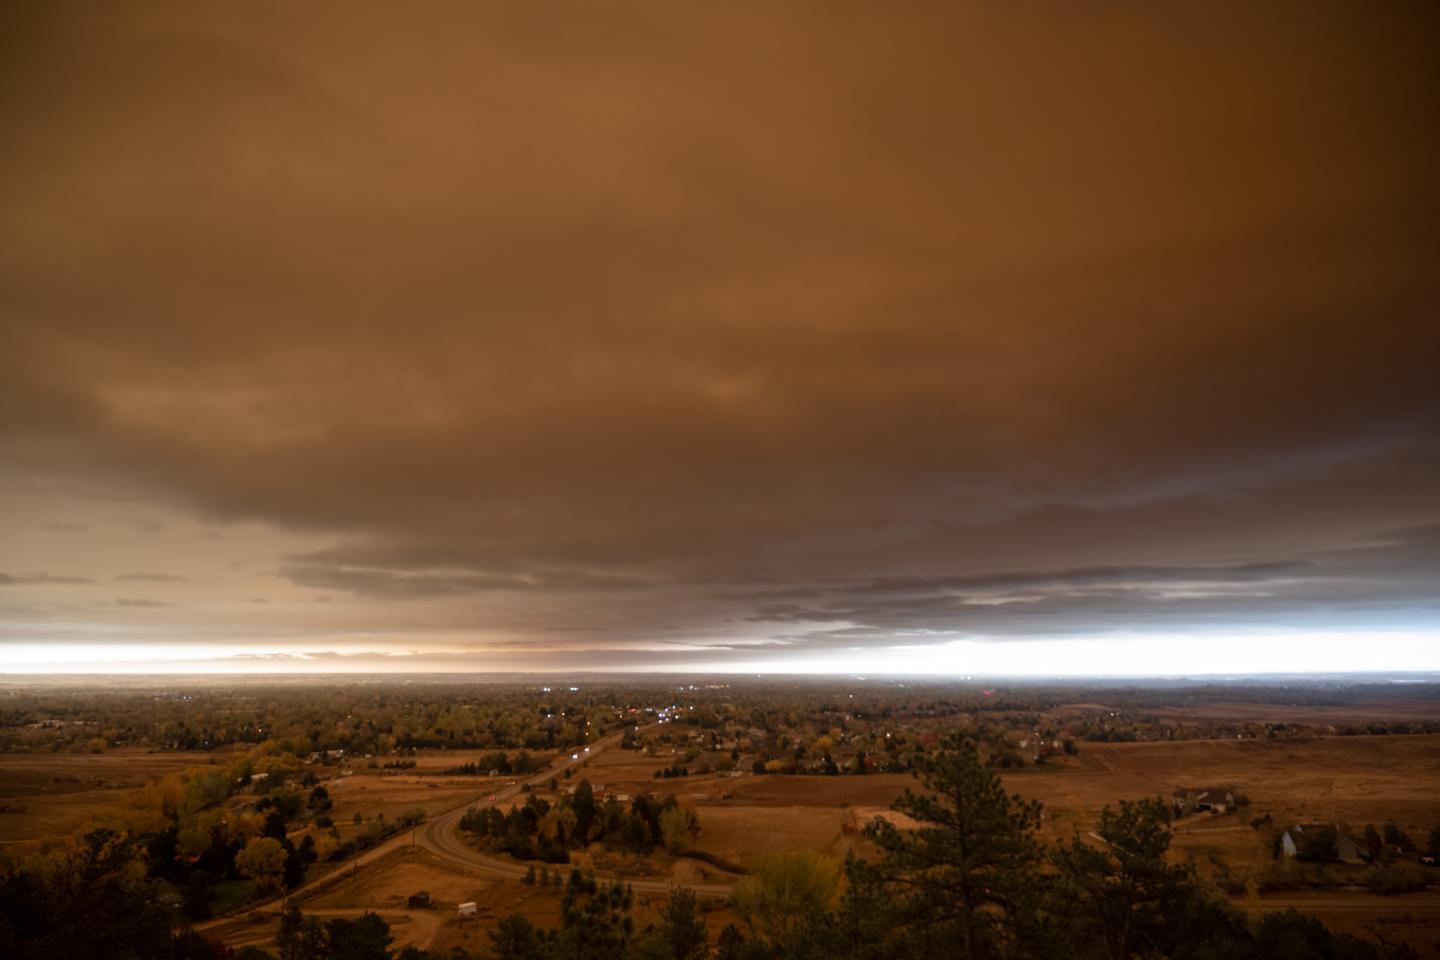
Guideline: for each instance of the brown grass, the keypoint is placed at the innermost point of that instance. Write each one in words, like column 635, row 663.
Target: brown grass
column 61, row 791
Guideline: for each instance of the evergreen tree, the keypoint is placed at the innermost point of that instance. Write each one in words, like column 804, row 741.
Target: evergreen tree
column 965, row 875
column 681, row 933
column 1117, row 895
column 366, row 937
column 515, row 938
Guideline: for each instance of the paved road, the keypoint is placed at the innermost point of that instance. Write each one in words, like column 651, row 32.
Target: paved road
column 440, row 836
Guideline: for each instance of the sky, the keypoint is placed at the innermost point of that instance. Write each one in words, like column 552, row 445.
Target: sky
column 929, row 338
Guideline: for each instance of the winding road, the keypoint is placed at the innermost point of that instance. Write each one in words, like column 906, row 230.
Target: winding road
column 440, row 835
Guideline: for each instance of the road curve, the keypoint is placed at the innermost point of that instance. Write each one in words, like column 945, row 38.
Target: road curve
column 440, row 835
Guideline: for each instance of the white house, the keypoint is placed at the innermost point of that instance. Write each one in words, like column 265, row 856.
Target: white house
column 466, row 909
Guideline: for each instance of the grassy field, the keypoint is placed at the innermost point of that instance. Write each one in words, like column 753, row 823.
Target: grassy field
column 1357, row 780
column 60, row 791
column 387, row 885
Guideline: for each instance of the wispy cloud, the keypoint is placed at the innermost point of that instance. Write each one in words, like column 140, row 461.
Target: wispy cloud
column 39, row 579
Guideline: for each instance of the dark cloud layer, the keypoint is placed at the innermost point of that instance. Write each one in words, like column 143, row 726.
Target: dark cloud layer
column 1372, row 584
column 713, row 316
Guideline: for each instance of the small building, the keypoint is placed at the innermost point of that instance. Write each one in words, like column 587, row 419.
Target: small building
column 1319, row 841
column 1203, row 800
column 419, row 901
column 1348, row 851
column 467, row 909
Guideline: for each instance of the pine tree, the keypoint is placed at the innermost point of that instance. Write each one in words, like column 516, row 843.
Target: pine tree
column 966, row 873
column 1118, row 891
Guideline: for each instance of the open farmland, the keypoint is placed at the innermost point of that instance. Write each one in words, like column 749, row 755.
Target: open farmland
column 1350, row 779
column 46, row 796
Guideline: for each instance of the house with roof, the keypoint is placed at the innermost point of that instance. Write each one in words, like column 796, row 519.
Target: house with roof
column 1321, row 841
column 1189, row 800
column 1348, row 851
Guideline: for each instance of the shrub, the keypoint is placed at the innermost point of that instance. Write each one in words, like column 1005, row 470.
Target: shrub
column 1395, row 878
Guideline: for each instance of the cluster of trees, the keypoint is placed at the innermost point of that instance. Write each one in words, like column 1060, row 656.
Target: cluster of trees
column 539, row 830
column 188, row 839
column 192, row 841
column 1390, row 852
column 501, row 762
column 1317, row 842
column 366, row 937
column 595, row 922
column 78, row 900
column 271, row 861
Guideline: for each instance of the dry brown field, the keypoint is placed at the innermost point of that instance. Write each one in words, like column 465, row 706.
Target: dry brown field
column 385, row 886
column 1318, row 717
column 61, row 791
column 372, row 795
column 372, row 792
column 1357, row 780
